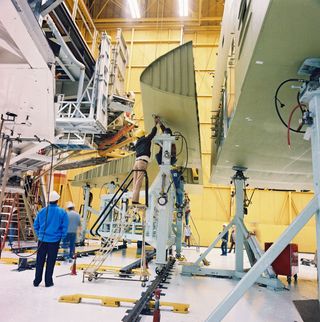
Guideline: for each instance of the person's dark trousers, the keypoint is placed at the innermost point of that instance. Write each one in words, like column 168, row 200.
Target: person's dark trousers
column 187, row 218
column 232, row 246
column 47, row 252
column 224, row 247
column 70, row 241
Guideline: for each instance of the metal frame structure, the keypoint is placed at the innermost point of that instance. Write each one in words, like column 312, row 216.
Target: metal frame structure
column 243, row 240
column 159, row 230
column 311, row 96
column 95, row 106
column 152, row 223
column 162, row 201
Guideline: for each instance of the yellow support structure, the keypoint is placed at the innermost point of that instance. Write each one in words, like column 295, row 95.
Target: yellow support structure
column 12, row 261
column 15, row 261
column 111, row 301
column 114, row 269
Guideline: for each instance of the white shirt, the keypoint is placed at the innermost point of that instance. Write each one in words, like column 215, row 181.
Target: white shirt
column 187, row 231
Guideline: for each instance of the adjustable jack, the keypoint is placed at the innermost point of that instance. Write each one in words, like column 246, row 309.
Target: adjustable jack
column 244, row 240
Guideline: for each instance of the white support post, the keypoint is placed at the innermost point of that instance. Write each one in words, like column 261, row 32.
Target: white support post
column 314, row 106
column 239, row 215
column 74, row 10
column 86, row 190
column 213, row 244
column 318, row 250
column 166, row 209
column 179, row 226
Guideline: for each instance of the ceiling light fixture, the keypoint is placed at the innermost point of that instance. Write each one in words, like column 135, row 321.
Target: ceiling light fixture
column 134, row 9
column 183, row 8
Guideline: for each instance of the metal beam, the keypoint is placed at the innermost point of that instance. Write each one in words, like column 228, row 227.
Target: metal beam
column 104, row 5
column 156, row 20
column 49, row 6
column 151, row 26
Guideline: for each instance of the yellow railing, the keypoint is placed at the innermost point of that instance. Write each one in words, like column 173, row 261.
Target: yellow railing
column 81, row 16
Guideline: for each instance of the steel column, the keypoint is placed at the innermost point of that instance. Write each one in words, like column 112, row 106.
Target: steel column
column 165, row 210
column 239, row 185
column 314, row 106
column 179, row 234
column 86, row 206
column 213, row 244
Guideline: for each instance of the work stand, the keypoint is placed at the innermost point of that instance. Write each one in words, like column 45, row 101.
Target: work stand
column 244, row 240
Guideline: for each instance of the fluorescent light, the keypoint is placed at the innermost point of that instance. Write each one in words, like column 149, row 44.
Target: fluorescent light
column 183, row 8
column 134, row 9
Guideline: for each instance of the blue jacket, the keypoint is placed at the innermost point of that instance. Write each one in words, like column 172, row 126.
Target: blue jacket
column 52, row 225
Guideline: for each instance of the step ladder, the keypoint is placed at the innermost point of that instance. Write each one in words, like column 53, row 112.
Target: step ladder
column 10, row 220
column 17, row 215
column 108, row 244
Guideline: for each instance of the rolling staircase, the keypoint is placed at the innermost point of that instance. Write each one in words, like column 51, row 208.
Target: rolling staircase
column 112, row 225
column 108, row 244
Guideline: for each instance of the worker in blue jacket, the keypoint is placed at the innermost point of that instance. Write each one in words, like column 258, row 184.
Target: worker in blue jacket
column 51, row 225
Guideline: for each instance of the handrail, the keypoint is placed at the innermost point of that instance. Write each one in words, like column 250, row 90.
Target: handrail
column 111, row 208
column 108, row 205
column 112, row 203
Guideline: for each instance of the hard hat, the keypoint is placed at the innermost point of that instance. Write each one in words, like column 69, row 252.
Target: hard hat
column 54, row 196
column 69, row 205
column 139, row 133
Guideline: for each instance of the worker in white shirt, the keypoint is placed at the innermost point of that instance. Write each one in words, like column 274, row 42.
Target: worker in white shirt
column 187, row 235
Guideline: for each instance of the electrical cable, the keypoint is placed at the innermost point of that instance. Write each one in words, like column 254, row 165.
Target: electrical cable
column 289, row 123
column 277, row 100
column 177, row 133
column 181, row 148
column 299, row 103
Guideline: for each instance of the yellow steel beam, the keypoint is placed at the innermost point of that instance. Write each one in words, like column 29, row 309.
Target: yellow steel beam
column 200, row 11
column 15, row 261
column 152, row 26
column 102, row 8
column 157, row 20
column 111, row 269
column 10, row 261
column 116, row 301
column 116, row 146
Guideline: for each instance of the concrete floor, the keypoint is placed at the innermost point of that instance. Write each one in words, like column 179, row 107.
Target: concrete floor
column 21, row 302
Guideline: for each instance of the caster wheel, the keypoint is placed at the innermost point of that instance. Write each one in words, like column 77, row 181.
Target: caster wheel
column 143, row 284
column 90, row 279
column 157, row 271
